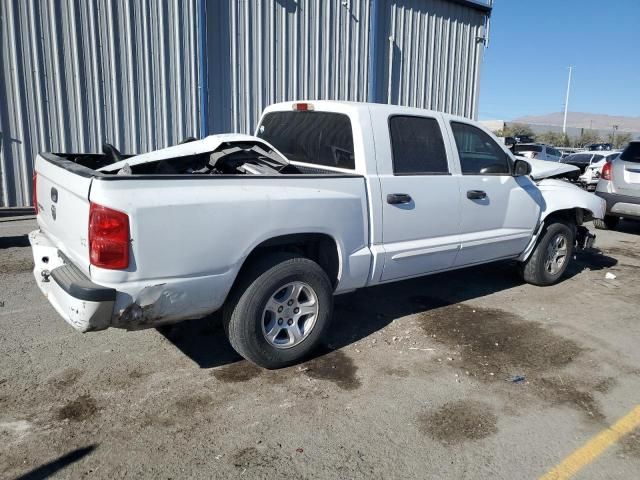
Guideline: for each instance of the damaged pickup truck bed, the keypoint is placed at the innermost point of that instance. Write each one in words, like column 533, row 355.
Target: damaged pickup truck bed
column 328, row 197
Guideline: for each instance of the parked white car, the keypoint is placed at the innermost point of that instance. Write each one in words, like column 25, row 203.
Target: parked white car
column 538, row 151
column 619, row 186
column 591, row 175
column 328, row 197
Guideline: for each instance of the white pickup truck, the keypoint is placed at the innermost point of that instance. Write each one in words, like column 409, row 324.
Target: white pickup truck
column 326, row 198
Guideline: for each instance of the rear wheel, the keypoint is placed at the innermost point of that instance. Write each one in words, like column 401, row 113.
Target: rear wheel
column 607, row 223
column 551, row 256
column 279, row 310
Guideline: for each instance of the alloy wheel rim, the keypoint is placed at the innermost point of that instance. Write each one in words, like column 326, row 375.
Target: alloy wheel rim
column 290, row 315
column 556, row 254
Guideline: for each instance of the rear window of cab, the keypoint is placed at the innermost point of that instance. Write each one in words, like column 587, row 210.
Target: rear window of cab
column 320, row 138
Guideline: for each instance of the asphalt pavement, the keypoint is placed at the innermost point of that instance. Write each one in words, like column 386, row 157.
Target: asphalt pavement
column 468, row 374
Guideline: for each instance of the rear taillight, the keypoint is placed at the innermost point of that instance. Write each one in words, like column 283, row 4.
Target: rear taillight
column 108, row 238
column 34, row 194
column 606, row 171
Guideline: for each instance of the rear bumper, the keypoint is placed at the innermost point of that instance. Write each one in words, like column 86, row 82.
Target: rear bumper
column 83, row 304
column 621, row 205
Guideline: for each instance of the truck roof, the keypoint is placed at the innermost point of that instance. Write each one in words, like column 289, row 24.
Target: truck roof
column 346, row 106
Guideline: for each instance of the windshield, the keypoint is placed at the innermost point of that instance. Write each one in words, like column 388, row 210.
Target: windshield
column 321, row 138
column 527, row 148
column 578, row 158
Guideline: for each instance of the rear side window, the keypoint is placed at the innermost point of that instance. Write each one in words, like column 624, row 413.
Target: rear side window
column 417, row 145
column 479, row 154
column 321, row 138
column 631, row 153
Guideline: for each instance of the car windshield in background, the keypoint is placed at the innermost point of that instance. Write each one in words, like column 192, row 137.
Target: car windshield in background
column 631, row 153
column 322, row 138
column 527, row 148
column 582, row 158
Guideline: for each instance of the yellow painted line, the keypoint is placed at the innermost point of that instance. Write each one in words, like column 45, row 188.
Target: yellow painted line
column 594, row 447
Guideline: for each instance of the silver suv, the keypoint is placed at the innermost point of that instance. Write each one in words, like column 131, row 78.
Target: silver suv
column 619, row 185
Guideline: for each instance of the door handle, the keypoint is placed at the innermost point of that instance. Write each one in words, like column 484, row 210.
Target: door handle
column 476, row 194
column 398, row 198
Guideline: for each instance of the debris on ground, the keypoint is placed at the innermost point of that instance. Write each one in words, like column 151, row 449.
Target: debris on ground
column 517, row 379
column 610, row 276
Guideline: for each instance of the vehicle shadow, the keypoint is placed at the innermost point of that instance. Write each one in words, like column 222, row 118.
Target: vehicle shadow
column 364, row 312
column 628, row 226
column 14, row 241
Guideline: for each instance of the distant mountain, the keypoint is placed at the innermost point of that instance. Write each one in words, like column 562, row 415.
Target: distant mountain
column 593, row 121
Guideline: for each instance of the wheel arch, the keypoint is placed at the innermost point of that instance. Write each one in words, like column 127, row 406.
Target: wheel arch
column 575, row 216
column 322, row 248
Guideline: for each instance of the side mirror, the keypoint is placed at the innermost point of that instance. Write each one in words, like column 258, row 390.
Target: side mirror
column 521, row 168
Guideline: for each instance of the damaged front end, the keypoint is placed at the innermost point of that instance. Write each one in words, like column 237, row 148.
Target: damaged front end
column 585, row 240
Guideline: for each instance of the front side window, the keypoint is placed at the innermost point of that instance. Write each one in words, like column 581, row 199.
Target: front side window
column 321, row 138
column 479, row 153
column 417, row 145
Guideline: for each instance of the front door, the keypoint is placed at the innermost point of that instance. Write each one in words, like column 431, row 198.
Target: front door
column 498, row 211
column 420, row 197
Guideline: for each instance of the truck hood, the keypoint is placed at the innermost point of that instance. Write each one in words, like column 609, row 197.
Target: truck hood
column 544, row 169
column 206, row 145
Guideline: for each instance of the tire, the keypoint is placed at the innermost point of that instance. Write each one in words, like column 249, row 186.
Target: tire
column 536, row 270
column 609, row 222
column 249, row 319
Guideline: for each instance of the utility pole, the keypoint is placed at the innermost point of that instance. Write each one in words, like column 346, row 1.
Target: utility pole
column 566, row 102
column 613, row 136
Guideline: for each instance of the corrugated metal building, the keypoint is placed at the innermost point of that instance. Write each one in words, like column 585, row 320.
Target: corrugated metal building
column 148, row 73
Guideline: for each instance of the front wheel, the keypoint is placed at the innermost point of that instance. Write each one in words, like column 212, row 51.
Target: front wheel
column 550, row 258
column 279, row 310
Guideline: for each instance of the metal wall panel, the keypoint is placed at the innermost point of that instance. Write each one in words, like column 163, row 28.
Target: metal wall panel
column 266, row 51
column 76, row 73
column 430, row 55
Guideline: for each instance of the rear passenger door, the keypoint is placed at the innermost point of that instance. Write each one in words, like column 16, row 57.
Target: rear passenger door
column 420, row 196
column 499, row 211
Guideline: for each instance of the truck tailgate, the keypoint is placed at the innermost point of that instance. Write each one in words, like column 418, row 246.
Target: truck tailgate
column 63, row 210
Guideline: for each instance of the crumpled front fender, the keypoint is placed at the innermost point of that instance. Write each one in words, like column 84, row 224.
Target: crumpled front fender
column 558, row 196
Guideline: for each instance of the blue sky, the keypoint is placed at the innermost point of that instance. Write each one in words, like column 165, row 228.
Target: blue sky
column 533, row 41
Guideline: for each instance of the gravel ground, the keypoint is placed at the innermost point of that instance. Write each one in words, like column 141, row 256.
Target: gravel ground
column 414, row 382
